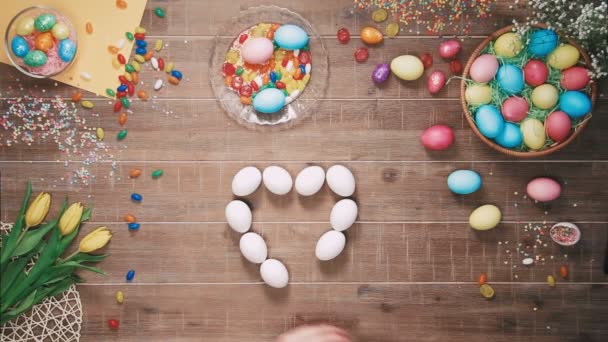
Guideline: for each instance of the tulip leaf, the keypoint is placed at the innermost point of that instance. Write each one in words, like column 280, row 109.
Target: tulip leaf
column 86, row 214
column 24, row 304
column 75, row 264
column 32, row 238
column 15, row 269
column 83, row 257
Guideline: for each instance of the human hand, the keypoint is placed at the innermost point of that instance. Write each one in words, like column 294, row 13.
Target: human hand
column 315, row 333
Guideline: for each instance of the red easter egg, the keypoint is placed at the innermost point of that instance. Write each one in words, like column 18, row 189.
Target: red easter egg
column 435, row 82
column 438, row 137
column 515, row 108
column 456, row 67
column 558, row 126
column 535, row 72
column 361, row 54
column 450, row 48
column 575, row 78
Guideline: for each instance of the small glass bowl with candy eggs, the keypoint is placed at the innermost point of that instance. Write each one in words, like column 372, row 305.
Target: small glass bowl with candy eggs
column 41, row 42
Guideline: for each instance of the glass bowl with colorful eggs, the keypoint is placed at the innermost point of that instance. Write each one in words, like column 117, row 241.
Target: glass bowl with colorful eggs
column 527, row 94
column 41, row 42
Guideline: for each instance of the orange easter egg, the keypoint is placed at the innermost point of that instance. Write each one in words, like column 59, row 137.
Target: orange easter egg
column 44, row 41
column 371, row 36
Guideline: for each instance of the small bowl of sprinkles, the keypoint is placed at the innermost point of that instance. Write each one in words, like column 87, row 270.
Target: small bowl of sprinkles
column 268, row 68
column 41, row 42
column 565, row 233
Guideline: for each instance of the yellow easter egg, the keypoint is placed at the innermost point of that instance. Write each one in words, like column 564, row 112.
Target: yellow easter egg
column 508, row 45
column 563, row 57
column 25, row 26
column 545, row 96
column 478, row 94
column 533, row 131
column 407, row 67
column 60, row 31
column 485, row 217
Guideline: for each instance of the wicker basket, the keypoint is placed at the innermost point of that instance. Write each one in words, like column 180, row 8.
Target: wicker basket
column 521, row 154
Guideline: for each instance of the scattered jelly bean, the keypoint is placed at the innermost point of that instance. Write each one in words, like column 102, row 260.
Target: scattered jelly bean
column 76, row 96
column 121, row 43
column 158, row 45
column 486, row 291
column 161, row 64
column 121, row 4
column 112, row 323
column 237, row 82
column 128, row 76
column 158, row 84
column 88, row 27
column 143, row 95
column 87, row 104
column 120, row 297
column 304, row 57
column 113, row 49
column 273, row 77
column 563, row 271
column 129, row 36
column 135, row 66
column 130, row 91
column 302, row 69
column 121, row 135
column 129, row 218
column 456, row 67
column 343, row 35
column 117, row 106
column 177, row 74
column 246, row 100
column 482, row 279
column 298, row 74
column 134, row 77
column 100, row 133
column 133, row 226
column 139, row 36
column 129, row 68
column 110, row 92
column 141, row 51
column 136, row 197
column 229, row 69
column 130, row 275
column 134, row 173
column 238, row 71
column 361, row 54
column 122, row 118
column 121, row 94
column 86, row 76
column 427, row 60
column 148, row 55
column 122, row 87
column 140, row 30
column 122, row 79
column 246, row 91
column 139, row 58
column 280, row 85
column 141, row 43
column 125, row 102
column 157, row 173
column 115, row 63
column 169, row 67
column 254, row 85
column 551, row 280
column 173, row 80
column 159, row 12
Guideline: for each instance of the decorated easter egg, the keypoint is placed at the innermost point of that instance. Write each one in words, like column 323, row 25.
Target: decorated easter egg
column 67, row 50
column 60, row 31
column 542, row 42
column 19, row 46
column 484, row 68
column 489, row 121
column 575, row 78
column 437, row 137
column 371, row 35
column 575, row 103
column 343, row 215
column 478, row 94
column 340, row 180
column 464, row 182
column 330, row 245
column 274, row 273
column 533, row 132
column 25, row 26
column 257, row 50
column 35, row 58
column 269, row 100
column 45, row 22
column 515, row 108
column 544, row 189
column 450, row 48
column 246, row 181
column 44, row 41
column 510, row 79
column 253, row 247
column 485, row 217
column 563, row 57
column 435, row 82
column 535, row 72
column 510, row 137
column 508, row 45
column 277, row 180
column 544, row 96
column 558, row 125
column 407, row 67
column 291, row 37
column 381, row 73
column 238, row 216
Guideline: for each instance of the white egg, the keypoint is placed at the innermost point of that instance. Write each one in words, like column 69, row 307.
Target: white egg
column 277, row 180
column 330, row 245
column 343, row 214
column 341, row 180
column 253, row 247
column 238, row 216
column 274, row 273
column 310, row 180
column 246, row 181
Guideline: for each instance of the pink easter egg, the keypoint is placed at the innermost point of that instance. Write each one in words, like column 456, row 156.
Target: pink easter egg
column 435, row 82
column 575, row 78
column 535, row 72
column 558, row 126
column 544, row 189
column 257, row 50
column 484, row 68
column 515, row 108
column 450, row 48
column 438, row 137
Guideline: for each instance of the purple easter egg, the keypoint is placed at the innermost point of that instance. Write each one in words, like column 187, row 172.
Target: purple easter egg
column 381, row 73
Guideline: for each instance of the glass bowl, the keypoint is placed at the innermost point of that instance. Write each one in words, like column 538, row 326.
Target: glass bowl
column 303, row 106
column 54, row 64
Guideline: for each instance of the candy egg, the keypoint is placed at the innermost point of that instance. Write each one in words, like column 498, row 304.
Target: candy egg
column 35, row 58
column 340, row 180
column 563, row 57
column 544, row 96
column 435, row 82
column 515, row 108
column 44, row 41
column 19, row 46
column 381, row 72
column 542, row 42
column 533, row 132
column 575, row 103
column 489, row 121
column 450, row 48
column 25, row 26
column 510, row 137
column 60, row 31
column 67, row 50
column 484, row 68
column 330, row 245
column 274, row 273
column 371, row 36
column 510, row 78
column 253, row 247
column 485, row 217
column 437, row 137
column 246, row 181
column 45, row 22
column 310, row 180
column 343, row 214
column 558, row 125
column 291, row 37
column 464, row 182
column 478, row 94
column 238, row 216
column 407, row 67
column 277, row 180
column 257, row 50
column 575, row 78
column 535, row 72
column 544, row 189
column 508, row 45
column 269, row 100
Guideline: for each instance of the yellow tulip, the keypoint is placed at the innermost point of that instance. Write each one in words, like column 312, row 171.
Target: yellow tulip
column 70, row 218
column 95, row 240
column 37, row 210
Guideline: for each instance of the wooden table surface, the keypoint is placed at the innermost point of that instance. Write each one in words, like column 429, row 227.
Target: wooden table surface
column 409, row 270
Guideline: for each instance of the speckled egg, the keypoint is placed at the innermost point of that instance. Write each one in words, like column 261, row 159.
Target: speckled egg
column 575, row 103
column 435, row 82
column 484, row 68
column 542, row 42
column 515, row 108
column 381, row 73
column 45, row 22
column 407, row 67
column 485, row 217
column 60, row 31
column 510, row 137
column 544, row 189
column 450, row 48
column 464, row 182
column 535, row 72
column 508, row 45
column 533, row 132
column 489, row 121
column 510, row 79
column 19, row 46
column 478, row 94
column 558, row 125
column 269, row 100
column 25, row 26
column 575, row 78
column 35, row 58
column 563, row 57
column 44, row 41
column 544, row 96
column 291, row 37
column 67, row 50
column 257, row 50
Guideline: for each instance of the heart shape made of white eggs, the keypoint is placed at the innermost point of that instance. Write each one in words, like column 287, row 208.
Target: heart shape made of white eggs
column 278, row 181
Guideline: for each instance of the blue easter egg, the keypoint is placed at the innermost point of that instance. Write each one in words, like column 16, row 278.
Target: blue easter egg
column 575, row 103
column 19, row 46
column 269, row 100
column 489, row 121
column 542, row 42
column 510, row 137
column 510, row 78
column 291, row 37
column 464, row 182
column 67, row 50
